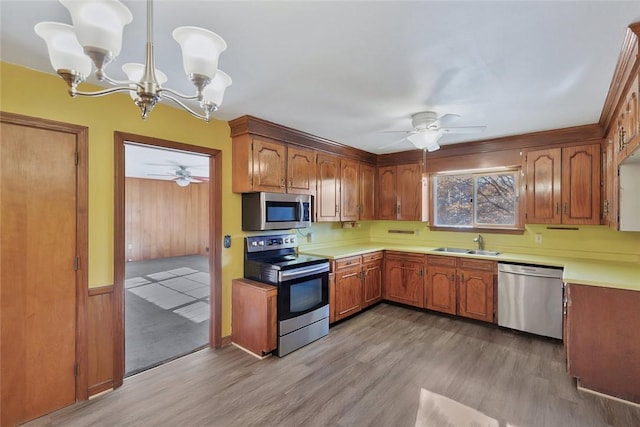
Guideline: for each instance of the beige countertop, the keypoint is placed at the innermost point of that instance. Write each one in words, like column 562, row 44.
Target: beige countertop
column 610, row 274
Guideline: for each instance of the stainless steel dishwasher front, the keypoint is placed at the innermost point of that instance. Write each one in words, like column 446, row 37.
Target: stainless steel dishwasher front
column 530, row 299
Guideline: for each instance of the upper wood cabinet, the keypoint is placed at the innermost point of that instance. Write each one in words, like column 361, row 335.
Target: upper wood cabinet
column 301, row 171
column 400, row 194
column 327, row 203
column 563, row 185
column 367, row 209
column 263, row 164
column 349, row 190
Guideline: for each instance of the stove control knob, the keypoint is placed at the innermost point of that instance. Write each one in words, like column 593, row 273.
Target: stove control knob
column 254, row 243
column 286, row 240
column 261, row 243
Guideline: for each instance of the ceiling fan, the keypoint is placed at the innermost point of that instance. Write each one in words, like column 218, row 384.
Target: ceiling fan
column 182, row 176
column 428, row 128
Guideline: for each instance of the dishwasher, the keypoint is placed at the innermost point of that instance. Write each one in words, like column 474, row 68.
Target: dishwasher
column 530, row 299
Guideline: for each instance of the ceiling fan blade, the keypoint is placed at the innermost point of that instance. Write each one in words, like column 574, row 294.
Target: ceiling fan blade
column 445, row 119
column 396, row 131
column 200, row 178
column 160, row 174
column 463, row 129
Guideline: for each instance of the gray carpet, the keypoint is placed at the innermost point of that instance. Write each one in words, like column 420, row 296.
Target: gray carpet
column 166, row 310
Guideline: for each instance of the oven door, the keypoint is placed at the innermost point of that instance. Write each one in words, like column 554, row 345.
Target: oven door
column 303, row 290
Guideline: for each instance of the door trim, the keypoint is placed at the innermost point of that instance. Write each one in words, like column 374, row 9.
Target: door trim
column 82, row 233
column 215, row 239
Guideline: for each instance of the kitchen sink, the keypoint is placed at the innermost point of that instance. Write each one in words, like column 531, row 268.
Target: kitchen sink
column 468, row 251
column 452, row 250
column 483, row 252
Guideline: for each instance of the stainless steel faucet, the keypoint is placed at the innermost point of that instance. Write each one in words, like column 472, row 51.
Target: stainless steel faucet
column 480, row 241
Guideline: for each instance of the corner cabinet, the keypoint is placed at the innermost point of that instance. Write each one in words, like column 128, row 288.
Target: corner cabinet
column 404, row 278
column 401, row 192
column 254, row 316
column 563, row 185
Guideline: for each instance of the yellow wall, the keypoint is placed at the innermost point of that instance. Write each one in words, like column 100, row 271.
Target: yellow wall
column 36, row 94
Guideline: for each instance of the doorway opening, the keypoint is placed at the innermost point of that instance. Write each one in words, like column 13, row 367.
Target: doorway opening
column 167, row 259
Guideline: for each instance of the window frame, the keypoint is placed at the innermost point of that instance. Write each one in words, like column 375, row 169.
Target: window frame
column 517, row 228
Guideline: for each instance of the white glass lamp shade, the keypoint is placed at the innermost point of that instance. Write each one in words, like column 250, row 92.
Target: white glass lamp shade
column 182, row 182
column 99, row 23
column 428, row 140
column 214, row 91
column 134, row 72
column 65, row 52
column 200, row 50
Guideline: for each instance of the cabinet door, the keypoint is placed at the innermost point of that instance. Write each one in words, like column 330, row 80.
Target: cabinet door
column 372, row 282
column 476, row 295
column 387, row 206
column 581, row 184
column 404, row 282
column 441, row 289
column 543, row 186
column 409, row 192
column 269, row 160
column 348, row 291
column 301, row 171
column 367, row 192
column 328, row 197
column 349, row 185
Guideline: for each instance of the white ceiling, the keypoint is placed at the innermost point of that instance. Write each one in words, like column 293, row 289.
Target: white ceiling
column 348, row 71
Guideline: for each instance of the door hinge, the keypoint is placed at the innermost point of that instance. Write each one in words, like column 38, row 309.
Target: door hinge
column 252, row 146
column 76, row 263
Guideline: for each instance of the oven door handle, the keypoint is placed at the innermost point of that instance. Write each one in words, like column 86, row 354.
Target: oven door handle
column 303, row 271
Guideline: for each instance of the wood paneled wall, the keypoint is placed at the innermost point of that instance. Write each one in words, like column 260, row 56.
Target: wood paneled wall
column 100, row 351
column 163, row 219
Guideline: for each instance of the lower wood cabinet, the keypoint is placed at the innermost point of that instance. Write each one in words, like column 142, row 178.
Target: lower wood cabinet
column 602, row 339
column 254, row 324
column 371, row 278
column 404, row 278
column 440, row 288
column 348, row 287
column 354, row 283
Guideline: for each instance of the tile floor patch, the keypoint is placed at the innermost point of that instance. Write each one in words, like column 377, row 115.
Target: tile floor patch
column 196, row 312
column 199, row 292
column 161, row 296
column 199, row 277
column 135, row 281
column 181, row 284
column 162, row 275
column 182, row 271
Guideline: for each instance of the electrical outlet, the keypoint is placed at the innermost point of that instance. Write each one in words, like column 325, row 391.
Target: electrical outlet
column 310, row 237
column 538, row 238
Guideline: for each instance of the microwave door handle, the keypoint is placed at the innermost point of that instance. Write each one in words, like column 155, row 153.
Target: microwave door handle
column 300, row 211
column 303, row 271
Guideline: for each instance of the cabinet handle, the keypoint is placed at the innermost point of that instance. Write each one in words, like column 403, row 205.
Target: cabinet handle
column 565, row 208
column 337, row 209
column 461, row 277
column 557, row 208
column 290, row 182
column 453, row 277
column 398, row 208
column 420, row 273
column 282, row 182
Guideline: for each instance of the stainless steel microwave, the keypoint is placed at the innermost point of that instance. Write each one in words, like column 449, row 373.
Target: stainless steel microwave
column 275, row 211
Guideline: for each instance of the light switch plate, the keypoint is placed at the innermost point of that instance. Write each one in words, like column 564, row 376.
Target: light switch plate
column 227, row 241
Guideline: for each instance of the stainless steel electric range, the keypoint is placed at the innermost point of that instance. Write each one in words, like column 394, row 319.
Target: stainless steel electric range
column 303, row 287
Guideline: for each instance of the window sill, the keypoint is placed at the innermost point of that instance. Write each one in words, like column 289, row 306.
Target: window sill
column 478, row 230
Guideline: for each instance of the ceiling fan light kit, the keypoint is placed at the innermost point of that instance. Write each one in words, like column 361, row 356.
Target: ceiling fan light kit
column 96, row 37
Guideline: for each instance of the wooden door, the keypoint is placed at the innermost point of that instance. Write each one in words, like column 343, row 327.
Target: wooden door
column 38, row 197
column 440, row 292
column 372, row 280
column 349, row 186
column 581, row 184
column 476, row 295
column 348, row 291
column 387, row 201
column 301, row 171
column 328, row 197
column 543, row 186
column 404, row 279
column 367, row 192
column 409, row 192
column 269, row 161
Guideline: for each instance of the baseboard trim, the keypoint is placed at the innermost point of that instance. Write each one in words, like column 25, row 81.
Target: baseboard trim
column 97, row 389
column 607, row 396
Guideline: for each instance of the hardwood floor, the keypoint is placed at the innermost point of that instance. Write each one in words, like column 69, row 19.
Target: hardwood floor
column 369, row 370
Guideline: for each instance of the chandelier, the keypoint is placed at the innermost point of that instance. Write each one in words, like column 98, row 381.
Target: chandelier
column 96, row 37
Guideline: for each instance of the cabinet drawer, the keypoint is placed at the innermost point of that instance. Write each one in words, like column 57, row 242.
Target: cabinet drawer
column 348, row 262
column 444, row 261
column 375, row 256
column 478, row 264
column 404, row 256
